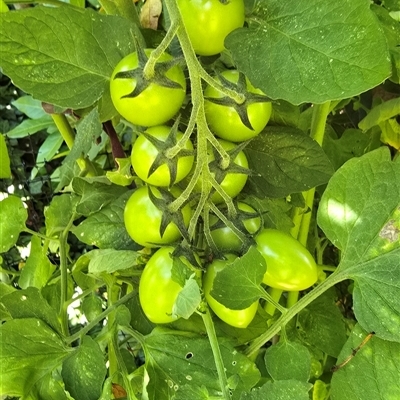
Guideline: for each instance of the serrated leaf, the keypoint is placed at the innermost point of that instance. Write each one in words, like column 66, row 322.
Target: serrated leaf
column 41, row 56
column 360, row 213
column 110, row 260
column 330, row 51
column 29, row 303
column 123, row 176
column 380, row 113
column 176, row 358
column 30, row 127
column 287, row 161
column 106, row 228
column 188, row 299
column 239, row 284
column 39, row 351
column 31, row 107
column 11, row 227
column 280, row 390
column 38, row 269
column 84, row 371
column 5, row 170
column 373, row 373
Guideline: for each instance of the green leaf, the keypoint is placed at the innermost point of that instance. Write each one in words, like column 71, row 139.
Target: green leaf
column 89, row 129
column 391, row 133
column 96, row 193
column 50, row 387
column 84, row 371
column 59, row 213
column 30, row 107
column 38, row 268
column 10, row 228
column 5, row 170
column 288, row 360
column 239, row 284
column 29, row 303
column 41, row 56
column 287, row 161
column 373, row 373
column 280, row 390
column 110, row 260
column 29, row 127
column 188, row 299
column 360, row 214
column 175, row 359
column 29, row 350
column 330, row 51
column 106, row 228
column 123, row 176
column 380, row 113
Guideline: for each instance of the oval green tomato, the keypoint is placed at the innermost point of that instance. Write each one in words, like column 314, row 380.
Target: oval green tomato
column 236, row 318
column 157, row 290
column 225, row 239
column 143, row 219
column 156, row 104
column 290, row 266
column 144, row 153
column 224, row 120
column 208, row 22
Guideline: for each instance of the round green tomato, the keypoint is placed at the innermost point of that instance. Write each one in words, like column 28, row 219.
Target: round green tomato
column 233, row 183
column 144, row 154
column 157, row 290
column 156, row 104
column 225, row 239
column 290, row 266
column 143, row 219
column 224, row 121
column 208, row 22
column 237, row 318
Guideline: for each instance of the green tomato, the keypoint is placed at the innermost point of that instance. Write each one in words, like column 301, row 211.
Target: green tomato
column 208, row 22
column 233, row 183
column 144, row 153
column 290, row 266
column 225, row 239
column 157, row 290
column 156, row 104
column 143, row 219
column 236, row 318
column 224, row 120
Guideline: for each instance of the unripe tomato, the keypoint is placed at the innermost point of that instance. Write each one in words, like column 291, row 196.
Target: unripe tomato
column 236, row 318
column 144, row 153
column 143, row 219
column 208, row 22
column 290, row 266
column 157, row 290
column 156, row 104
column 224, row 120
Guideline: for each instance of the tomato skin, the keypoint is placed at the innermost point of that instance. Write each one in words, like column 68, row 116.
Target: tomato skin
column 142, row 219
column 236, row 318
column 208, row 23
column 144, row 153
column 290, row 266
column 156, row 104
column 224, row 121
column 157, row 290
column 225, row 239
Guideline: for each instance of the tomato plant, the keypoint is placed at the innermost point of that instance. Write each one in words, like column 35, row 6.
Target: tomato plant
column 208, row 22
column 285, row 120
column 149, row 150
column 147, row 102
column 232, row 121
column 236, row 318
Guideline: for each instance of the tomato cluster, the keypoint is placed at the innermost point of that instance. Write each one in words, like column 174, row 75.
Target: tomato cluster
column 164, row 160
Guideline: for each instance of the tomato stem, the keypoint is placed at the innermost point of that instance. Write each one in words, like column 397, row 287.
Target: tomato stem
column 270, row 306
column 292, row 298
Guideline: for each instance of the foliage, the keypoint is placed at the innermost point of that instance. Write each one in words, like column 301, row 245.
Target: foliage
column 325, row 169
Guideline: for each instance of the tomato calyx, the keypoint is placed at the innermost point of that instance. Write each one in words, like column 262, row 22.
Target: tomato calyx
column 143, row 82
column 168, row 216
column 163, row 157
column 241, row 108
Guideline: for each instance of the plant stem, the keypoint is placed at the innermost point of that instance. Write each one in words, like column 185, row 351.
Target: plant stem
column 275, row 295
column 292, row 298
column 212, row 337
